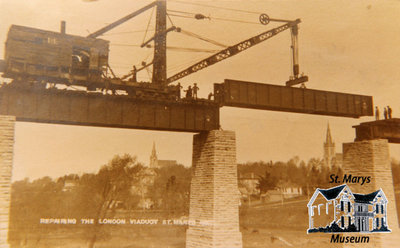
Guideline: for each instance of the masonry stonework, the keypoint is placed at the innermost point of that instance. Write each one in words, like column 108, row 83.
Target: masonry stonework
column 7, row 124
column 372, row 158
column 214, row 194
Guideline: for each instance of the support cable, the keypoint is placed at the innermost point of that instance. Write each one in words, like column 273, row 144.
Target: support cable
column 215, row 18
column 233, row 20
column 170, row 20
column 202, row 38
column 183, row 16
column 215, row 7
column 182, row 49
column 181, row 12
column 148, row 24
column 126, row 32
column 148, row 72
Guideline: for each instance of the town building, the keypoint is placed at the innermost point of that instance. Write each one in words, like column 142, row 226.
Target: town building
column 248, row 186
column 69, row 185
column 339, row 205
column 285, row 191
column 290, row 190
column 70, row 182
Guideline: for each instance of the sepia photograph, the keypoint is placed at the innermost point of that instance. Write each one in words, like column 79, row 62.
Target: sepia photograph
column 199, row 124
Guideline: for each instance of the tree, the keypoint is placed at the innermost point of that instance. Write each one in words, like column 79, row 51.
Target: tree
column 112, row 183
column 170, row 190
column 31, row 201
column 266, row 183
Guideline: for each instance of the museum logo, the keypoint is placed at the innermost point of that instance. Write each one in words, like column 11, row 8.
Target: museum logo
column 338, row 210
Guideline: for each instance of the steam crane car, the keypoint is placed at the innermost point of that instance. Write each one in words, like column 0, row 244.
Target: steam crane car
column 34, row 55
column 39, row 58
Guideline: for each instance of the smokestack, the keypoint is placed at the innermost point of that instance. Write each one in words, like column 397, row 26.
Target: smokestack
column 63, row 27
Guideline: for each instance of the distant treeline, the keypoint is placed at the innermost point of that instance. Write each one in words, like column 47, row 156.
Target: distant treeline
column 295, row 172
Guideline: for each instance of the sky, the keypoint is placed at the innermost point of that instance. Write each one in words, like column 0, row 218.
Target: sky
column 345, row 46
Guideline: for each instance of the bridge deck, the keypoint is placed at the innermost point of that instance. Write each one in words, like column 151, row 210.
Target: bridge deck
column 381, row 129
column 290, row 99
column 184, row 115
column 95, row 109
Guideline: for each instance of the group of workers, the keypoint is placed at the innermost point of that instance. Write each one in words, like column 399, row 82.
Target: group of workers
column 191, row 92
column 387, row 112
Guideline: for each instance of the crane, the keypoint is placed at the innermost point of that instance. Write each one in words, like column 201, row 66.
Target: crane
column 244, row 45
column 89, row 64
column 159, row 63
column 160, row 40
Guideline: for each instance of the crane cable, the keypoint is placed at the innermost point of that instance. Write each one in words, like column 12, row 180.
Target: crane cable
column 148, row 24
column 170, row 20
column 192, row 15
column 233, row 20
column 202, row 38
column 215, row 7
column 182, row 49
column 126, row 32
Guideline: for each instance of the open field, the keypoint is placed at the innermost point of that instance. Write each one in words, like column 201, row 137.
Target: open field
column 261, row 226
column 271, row 225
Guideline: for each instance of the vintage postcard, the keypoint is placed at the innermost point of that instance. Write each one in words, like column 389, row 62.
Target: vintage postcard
column 194, row 124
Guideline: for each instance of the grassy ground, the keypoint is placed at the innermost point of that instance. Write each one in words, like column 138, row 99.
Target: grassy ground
column 272, row 225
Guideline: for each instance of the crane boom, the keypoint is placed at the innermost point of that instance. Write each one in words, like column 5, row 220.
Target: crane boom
column 160, row 39
column 232, row 50
column 120, row 21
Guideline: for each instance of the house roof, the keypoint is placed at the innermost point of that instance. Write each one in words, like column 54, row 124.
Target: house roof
column 360, row 198
column 328, row 194
column 332, row 193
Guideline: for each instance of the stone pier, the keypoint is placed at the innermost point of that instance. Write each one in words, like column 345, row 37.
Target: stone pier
column 7, row 124
column 372, row 158
column 214, row 194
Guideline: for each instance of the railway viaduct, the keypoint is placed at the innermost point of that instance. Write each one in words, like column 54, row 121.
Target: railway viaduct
column 214, row 196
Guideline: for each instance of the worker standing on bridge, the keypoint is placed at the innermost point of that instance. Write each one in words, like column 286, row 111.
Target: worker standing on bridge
column 389, row 109
column 179, row 87
column 385, row 113
column 376, row 113
column 134, row 74
column 189, row 92
column 195, row 89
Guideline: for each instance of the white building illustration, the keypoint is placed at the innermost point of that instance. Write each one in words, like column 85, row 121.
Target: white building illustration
column 338, row 205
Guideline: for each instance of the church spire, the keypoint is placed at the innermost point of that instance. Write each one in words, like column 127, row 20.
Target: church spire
column 328, row 136
column 329, row 148
column 153, row 157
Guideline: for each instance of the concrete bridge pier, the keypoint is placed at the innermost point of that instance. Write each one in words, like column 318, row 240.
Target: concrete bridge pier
column 372, row 158
column 214, row 194
column 7, row 124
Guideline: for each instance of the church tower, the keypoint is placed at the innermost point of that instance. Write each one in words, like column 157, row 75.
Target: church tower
column 329, row 149
column 153, row 157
